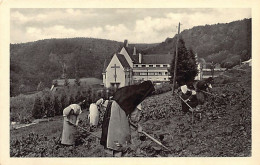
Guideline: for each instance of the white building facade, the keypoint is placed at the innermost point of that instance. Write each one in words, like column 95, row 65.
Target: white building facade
column 127, row 68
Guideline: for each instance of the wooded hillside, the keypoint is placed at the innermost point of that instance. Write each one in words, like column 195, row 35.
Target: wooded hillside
column 44, row 60
column 220, row 43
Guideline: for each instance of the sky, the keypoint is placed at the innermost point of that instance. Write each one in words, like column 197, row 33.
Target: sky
column 138, row 25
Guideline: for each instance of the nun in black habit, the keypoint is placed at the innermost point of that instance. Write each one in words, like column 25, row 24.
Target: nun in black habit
column 116, row 128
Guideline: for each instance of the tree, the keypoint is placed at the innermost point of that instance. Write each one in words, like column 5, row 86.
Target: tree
column 89, row 96
column 48, row 106
column 72, row 99
column 186, row 64
column 78, row 96
column 37, row 108
column 57, row 106
column 64, row 101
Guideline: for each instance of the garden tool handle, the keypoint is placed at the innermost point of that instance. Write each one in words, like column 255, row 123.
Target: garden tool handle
column 186, row 103
column 156, row 141
column 152, row 138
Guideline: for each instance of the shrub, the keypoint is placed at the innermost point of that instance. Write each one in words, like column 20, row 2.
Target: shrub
column 71, row 99
column 57, row 106
column 21, row 107
column 48, row 106
column 64, row 101
column 89, row 96
column 37, row 112
column 78, row 97
column 165, row 87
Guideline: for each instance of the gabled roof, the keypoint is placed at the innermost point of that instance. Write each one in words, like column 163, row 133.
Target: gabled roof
column 156, row 59
column 130, row 51
column 127, row 50
column 135, row 58
column 123, row 61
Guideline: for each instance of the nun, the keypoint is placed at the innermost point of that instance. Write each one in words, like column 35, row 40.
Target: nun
column 94, row 111
column 122, row 108
column 70, row 122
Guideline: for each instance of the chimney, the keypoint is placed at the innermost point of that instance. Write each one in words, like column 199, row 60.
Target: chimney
column 134, row 53
column 126, row 43
column 140, row 58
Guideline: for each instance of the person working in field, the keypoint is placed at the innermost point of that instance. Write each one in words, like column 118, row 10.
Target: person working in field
column 202, row 87
column 71, row 119
column 116, row 135
column 94, row 111
column 189, row 96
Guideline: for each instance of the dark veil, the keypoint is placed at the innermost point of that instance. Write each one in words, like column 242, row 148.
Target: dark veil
column 129, row 97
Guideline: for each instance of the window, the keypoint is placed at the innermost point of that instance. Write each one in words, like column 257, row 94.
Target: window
column 164, row 78
column 136, row 66
column 155, row 73
column 143, row 66
column 166, row 73
column 164, row 65
column 143, row 73
column 151, row 73
column 157, row 65
column 150, row 65
column 160, row 73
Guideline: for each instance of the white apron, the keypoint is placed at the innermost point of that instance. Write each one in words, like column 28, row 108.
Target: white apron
column 69, row 131
column 93, row 114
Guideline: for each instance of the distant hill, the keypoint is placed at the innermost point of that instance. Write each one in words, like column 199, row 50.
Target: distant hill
column 220, row 43
column 44, row 60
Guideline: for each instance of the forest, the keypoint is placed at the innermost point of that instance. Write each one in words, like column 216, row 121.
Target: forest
column 219, row 43
column 40, row 62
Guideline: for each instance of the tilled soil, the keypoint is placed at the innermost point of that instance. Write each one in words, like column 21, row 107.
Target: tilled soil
column 224, row 129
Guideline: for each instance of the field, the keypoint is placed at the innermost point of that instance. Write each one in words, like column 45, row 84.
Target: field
column 223, row 131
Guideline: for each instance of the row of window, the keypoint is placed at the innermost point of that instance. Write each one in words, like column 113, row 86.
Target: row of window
column 150, row 79
column 150, row 73
column 150, row 66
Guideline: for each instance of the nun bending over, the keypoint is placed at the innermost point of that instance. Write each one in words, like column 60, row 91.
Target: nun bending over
column 124, row 106
column 71, row 119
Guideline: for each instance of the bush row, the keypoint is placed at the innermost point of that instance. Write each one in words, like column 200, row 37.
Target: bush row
column 50, row 104
column 46, row 103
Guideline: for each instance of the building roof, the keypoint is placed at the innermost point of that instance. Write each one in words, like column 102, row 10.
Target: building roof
column 157, row 58
column 135, row 58
column 123, row 61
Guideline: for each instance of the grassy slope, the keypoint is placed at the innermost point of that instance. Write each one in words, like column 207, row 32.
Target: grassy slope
column 225, row 129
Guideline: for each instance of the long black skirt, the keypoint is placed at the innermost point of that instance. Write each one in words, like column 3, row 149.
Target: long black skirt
column 106, row 119
column 193, row 103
